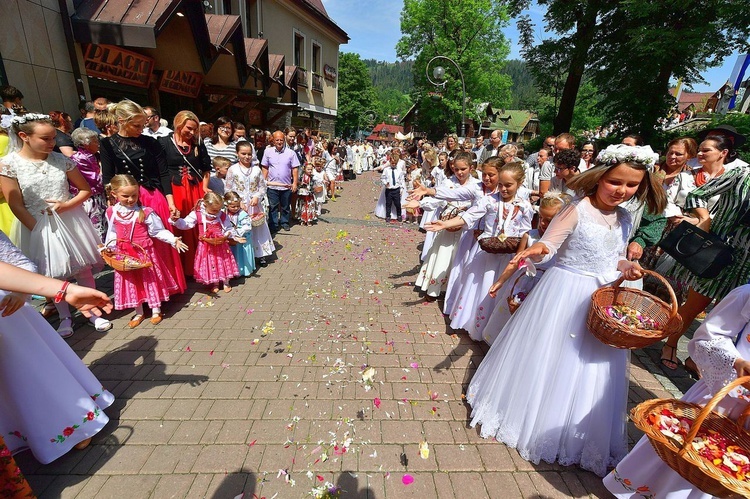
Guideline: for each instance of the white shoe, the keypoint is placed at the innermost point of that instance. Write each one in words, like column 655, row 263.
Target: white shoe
column 101, row 324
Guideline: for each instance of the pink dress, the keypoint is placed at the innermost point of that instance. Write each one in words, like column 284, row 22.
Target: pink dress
column 213, row 263
column 151, row 285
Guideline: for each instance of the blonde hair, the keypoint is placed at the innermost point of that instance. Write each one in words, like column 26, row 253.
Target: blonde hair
column 508, row 151
column 554, row 199
column 430, row 157
column 124, row 180
column 183, row 117
column 210, row 199
column 515, row 168
column 649, row 191
column 125, row 110
column 220, row 162
column 232, row 197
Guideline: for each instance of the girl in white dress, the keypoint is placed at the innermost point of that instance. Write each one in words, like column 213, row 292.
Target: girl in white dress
column 35, row 181
column 51, row 402
column 721, row 349
column 549, row 207
column 246, row 179
column 433, row 276
column 319, row 184
column 501, row 212
column 547, row 387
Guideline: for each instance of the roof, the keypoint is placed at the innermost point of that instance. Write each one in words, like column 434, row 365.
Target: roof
column 275, row 64
column 513, row 120
column 316, row 9
column 221, row 28
column 254, row 48
column 699, row 99
column 290, row 72
column 384, row 127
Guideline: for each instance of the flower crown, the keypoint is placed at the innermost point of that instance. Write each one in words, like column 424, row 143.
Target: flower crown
column 20, row 120
column 621, row 153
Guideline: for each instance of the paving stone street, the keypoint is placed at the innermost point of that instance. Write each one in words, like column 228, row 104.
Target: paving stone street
column 324, row 367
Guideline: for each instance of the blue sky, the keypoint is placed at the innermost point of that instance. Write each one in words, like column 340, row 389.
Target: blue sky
column 374, row 29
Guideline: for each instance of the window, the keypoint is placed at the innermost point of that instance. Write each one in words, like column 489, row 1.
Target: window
column 299, row 50
column 316, row 58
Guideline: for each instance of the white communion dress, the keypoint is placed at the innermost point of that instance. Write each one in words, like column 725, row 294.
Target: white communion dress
column 49, row 400
column 642, row 473
column 547, row 387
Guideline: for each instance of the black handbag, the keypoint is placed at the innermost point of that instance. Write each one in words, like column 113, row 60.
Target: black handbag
column 704, row 254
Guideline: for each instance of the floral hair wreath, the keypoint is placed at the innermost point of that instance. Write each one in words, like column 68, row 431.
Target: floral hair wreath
column 621, row 153
column 21, row 119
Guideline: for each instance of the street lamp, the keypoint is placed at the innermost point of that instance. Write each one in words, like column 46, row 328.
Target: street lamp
column 370, row 115
column 439, row 74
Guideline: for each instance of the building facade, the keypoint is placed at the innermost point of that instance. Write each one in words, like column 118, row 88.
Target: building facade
column 269, row 63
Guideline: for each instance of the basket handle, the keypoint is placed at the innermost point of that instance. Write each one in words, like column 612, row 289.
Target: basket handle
column 710, row 407
column 742, row 419
column 672, row 297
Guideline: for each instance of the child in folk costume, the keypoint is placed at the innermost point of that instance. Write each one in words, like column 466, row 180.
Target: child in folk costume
column 214, row 262
column 246, row 179
column 240, row 220
column 549, row 207
column 319, row 183
column 433, row 276
column 501, row 214
column 36, row 183
column 413, row 179
column 306, row 212
column 547, row 387
column 721, row 349
column 131, row 226
column 434, row 165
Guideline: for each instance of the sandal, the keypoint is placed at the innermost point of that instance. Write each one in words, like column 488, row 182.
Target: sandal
column 671, row 361
column 48, row 310
column 102, row 325
column 692, row 368
column 65, row 329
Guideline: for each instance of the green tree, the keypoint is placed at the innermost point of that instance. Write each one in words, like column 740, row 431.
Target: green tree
column 629, row 49
column 356, row 93
column 467, row 31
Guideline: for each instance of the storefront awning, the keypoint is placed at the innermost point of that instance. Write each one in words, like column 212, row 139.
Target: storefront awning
column 276, row 66
column 228, row 40
column 256, row 54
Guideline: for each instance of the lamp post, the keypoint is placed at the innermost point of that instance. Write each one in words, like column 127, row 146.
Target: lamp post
column 439, row 74
column 370, row 114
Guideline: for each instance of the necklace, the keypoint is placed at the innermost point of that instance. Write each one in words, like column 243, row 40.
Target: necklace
column 182, row 149
column 604, row 219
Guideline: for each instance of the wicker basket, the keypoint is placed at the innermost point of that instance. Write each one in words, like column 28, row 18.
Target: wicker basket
column 214, row 241
column 124, row 262
column 616, row 334
column 318, row 189
column 496, row 244
column 450, row 212
column 512, row 305
column 258, row 219
column 682, row 457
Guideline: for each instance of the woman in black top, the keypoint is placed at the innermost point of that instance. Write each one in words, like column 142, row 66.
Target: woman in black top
column 63, row 126
column 129, row 152
column 189, row 168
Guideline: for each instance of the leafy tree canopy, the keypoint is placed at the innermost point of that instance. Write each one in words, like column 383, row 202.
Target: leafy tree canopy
column 356, row 93
column 467, row 31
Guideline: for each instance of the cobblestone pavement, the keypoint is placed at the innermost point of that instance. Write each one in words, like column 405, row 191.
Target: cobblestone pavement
column 324, row 367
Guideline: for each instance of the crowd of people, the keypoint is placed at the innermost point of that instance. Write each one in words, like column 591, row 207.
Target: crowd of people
column 515, row 245
column 562, row 222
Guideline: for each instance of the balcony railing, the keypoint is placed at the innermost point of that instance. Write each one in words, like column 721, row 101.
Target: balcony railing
column 302, row 77
column 317, row 82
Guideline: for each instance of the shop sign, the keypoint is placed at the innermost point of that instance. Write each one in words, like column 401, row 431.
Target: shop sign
column 303, row 114
column 116, row 64
column 330, row 73
column 181, row 83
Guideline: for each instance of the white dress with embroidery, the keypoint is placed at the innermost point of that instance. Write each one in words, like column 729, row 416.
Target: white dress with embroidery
column 468, row 288
column 249, row 183
column 39, row 181
column 547, row 387
column 49, row 400
column 642, row 473
column 440, row 247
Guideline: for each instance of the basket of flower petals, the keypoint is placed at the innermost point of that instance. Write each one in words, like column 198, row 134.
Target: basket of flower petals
column 706, row 448
column 632, row 318
column 214, row 241
column 119, row 258
column 257, row 219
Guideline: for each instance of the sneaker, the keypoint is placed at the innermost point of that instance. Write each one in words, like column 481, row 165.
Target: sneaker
column 263, row 262
column 286, row 228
